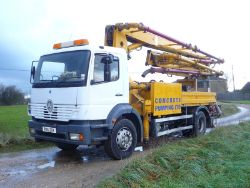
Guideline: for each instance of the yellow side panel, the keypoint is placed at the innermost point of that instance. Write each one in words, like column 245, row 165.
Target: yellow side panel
column 166, row 98
column 198, row 98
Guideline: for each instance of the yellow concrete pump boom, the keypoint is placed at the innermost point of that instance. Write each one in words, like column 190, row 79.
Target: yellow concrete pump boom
column 176, row 58
column 154, row 100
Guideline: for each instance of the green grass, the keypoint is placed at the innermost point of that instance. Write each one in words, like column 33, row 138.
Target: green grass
column 238, row 102
column 14, row 133
column 14, row 120
column 220, row 159
column 228, row 109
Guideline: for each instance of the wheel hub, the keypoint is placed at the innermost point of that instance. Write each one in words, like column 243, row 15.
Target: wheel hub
column 124, row 139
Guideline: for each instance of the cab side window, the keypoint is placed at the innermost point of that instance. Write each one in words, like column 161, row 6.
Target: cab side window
column 106, row 68
column 114, row 69
column 98, row 69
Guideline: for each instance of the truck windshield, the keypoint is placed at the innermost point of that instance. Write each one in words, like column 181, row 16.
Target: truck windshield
column 62, row 69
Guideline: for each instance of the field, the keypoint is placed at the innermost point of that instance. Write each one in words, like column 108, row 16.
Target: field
column 220, row 159
column 14, row 120
column 14, row 134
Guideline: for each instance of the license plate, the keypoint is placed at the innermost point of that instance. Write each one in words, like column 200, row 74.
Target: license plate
column 49, row 129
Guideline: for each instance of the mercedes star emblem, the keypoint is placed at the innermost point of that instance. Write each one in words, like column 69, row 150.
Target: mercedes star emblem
column 50, row 106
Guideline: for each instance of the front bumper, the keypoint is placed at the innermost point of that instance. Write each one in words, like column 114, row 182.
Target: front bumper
column 93, row 133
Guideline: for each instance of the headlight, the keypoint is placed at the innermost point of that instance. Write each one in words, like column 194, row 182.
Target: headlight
column 76, row 136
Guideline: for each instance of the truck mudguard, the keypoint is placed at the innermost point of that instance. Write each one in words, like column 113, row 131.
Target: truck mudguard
column 126, row 110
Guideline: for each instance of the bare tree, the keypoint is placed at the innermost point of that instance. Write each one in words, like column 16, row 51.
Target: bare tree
column 10, row 95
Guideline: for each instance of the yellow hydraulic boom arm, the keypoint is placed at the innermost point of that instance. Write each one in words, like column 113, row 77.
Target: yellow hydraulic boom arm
column 177, row 58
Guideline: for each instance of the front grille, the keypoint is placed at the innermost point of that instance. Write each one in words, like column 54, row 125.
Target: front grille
column 59, row 112
column 53, row 135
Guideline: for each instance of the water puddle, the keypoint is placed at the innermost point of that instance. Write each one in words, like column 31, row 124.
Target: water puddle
column 29, row 162
column 85, row 159
column 47, row 165
column 139, row 148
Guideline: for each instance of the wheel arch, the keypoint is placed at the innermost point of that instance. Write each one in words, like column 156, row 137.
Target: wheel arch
column 126, row 111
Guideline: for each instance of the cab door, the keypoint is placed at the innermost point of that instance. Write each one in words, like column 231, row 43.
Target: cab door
column 106, row 85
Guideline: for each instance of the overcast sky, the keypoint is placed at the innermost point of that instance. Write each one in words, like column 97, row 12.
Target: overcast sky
column 30, row 28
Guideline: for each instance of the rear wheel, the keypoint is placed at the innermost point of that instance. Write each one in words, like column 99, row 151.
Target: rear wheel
column 200, row 124
column 122, row 140
column 66, row 147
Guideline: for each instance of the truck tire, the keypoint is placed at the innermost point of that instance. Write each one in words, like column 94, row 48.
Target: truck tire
column 66, row 147
column 122, row 140
column 200, row 124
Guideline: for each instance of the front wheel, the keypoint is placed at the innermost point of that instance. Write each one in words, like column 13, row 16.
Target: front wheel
column 122, row 140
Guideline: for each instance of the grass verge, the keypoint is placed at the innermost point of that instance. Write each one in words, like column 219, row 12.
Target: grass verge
column 220, row 159
column 228, row 109
column 238, row 102
column 14, row 133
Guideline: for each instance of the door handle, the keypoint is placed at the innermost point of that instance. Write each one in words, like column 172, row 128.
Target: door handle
column 118, row 94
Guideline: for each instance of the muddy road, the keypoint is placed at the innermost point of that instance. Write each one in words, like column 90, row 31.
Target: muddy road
column 55, row 168
column 52, row 167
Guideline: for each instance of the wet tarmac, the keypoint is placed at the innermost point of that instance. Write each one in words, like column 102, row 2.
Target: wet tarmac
column 52, row 167
column 243, row 115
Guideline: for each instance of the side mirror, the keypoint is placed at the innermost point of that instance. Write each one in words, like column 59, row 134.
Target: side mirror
column 108, row 59
column 32, row 71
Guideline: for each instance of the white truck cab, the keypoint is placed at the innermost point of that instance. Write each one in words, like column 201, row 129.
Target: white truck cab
column 78, row 92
